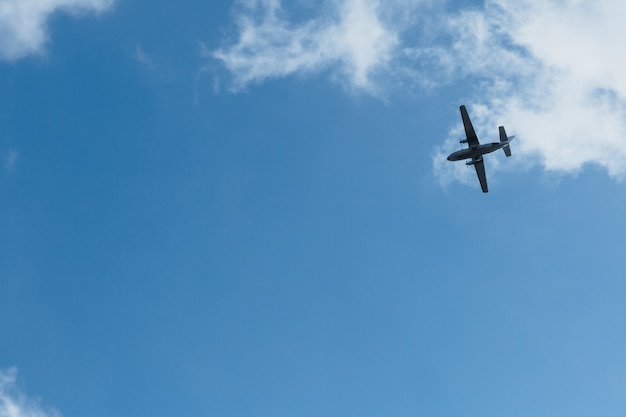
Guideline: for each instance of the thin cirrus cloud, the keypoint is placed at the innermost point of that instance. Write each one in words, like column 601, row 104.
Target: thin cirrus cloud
column 23, row 23
column 348, row 37
column 14, row 403
column 9, row 159
column 549, row 70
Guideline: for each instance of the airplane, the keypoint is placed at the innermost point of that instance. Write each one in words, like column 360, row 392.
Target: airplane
column 476, row 150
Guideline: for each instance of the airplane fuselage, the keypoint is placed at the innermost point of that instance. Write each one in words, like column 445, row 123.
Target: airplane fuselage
column 476, row 151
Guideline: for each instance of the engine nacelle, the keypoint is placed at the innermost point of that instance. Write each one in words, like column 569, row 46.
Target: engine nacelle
column 473, row 162
column 462, row 141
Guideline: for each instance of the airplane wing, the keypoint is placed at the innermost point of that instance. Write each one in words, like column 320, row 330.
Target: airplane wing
column 482, row 177
column 470, row 134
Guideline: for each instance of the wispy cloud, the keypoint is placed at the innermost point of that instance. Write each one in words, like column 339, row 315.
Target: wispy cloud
column 23, row 30
column 14, row 403
column 143, row 58
column 9, row 159
column 549, row 70
column 348, row 38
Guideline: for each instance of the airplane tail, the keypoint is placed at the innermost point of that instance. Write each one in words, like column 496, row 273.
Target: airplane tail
column 506, row 139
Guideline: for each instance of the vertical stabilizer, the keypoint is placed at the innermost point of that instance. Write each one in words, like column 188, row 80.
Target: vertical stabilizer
column 505, row 138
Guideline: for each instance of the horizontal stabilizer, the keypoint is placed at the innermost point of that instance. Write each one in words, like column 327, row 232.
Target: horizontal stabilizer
column 504, row 138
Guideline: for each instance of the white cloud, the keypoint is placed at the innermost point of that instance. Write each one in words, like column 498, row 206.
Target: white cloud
column 349, row 37
column 551, row 71
column 23, row 23
column 14, row 403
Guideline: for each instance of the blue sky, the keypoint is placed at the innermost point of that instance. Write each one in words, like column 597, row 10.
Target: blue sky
column 244, row 209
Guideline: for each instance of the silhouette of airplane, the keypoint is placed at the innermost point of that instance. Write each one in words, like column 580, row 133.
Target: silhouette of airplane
column 476, row 150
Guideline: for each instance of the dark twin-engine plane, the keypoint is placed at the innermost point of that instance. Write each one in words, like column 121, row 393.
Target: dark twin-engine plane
column 476, row 150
